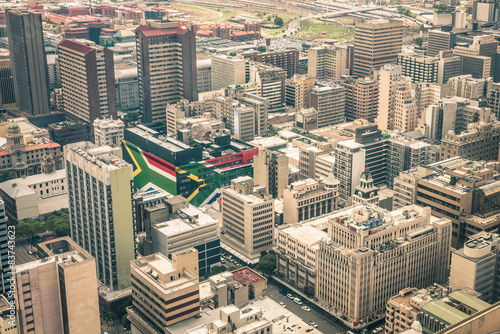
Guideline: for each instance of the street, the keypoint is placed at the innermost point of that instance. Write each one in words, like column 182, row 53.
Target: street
column 21, row 250
column 324, row 325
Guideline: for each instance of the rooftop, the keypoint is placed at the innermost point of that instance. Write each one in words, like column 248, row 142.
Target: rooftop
column 440, row 309
column 469, row 300
column 246, row 275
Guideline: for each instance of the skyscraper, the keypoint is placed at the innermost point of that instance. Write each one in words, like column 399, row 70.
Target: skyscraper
column 329, row 102
column 376, row 43
column 440, row 40
column 361, row 99
column 166, row 66
column 101, row 212
column 29, row 64
column 87, row 80
column 271, row 171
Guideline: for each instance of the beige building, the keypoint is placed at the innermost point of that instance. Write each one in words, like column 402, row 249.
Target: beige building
column 329, row 102
column 479, row 142
column 8, row 322
column 270, row 169
column 100, row 188
column 247, row 219
column 327, row 62
column 405, row 109
column 377, row 42
column 371, row 254
column 244, row 123
column 306, row 119
column 306, row 199
column 108, row 131
column 304, row 84
column 237, row 287
column 361, row 98
column 58, row 294
column 164, row 291
column 324, row 165
column 227, row 71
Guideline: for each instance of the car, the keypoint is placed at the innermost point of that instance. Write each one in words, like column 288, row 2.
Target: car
column 315, row 325
column 223, row 261
column 297, row 300
column 283, row 304
column 378, row 330
column 290, row 296
column 305, row 308
column 30, row 252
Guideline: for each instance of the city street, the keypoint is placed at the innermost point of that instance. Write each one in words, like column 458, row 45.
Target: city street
column 324, row 325
column 21, row 250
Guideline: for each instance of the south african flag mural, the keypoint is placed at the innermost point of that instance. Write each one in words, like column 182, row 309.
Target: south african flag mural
column 199, row 182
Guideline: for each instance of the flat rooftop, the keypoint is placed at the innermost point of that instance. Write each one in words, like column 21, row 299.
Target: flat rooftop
column 246, row 275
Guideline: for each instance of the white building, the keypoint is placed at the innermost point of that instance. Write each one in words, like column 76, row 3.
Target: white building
column 108, row 131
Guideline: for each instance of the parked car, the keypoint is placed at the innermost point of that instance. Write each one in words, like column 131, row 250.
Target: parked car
column 283, row 304
column 222, row 261
column 298, row 301
column 315, row 325
column 305, row 308
column 290, row 296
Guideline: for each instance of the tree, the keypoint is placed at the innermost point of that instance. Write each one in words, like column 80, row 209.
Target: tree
column 419, row 41
column 57, row 222
column 269, row 18
column 456, row 3
column 442, row 7
column 409, row 13
column 267, row 263
column 28, row 228
column 278, row 21
column 6, row 176
column 132, row 116
column 261, row 48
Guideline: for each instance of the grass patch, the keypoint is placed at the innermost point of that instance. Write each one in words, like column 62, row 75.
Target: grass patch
column 312, row 28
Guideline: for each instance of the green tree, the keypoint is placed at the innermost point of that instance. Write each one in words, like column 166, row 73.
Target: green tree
column 269, row 18
column 261, row 48
column 272, row 130
column 419, row 41
column 57, row 222
column 442, row 7
column 278, row 21
column 132, row 116
column 28, row 228
column 267, row 263
column 6, row 176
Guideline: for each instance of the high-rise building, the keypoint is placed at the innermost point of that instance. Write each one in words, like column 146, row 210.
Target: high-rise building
column 327, row 62
column 127, row 86
column 164, row 291
column 361, row 96
column 439, row 40
column 449, row 67
column 247, row 219
column 268, row 82
column 473, row 266
column 304, row 84
column 470, row 88
column 204, row 75
column 87, row 80
column 486, row 12
column 100, row 188
column 227, row 71
column 419, row 69
column 494, row 99
column 160, row 81
column 329, row 102
column 108, row 131
column 243, row 123
column 287, row 59
column 58, row 293
column 371, row 254
column 395, row 101
column 349, row 164
column 29, row 63
column 270, row 169
column 479, row 58
column 7, row 88
column 307, row 199
column 376, row 43
column 426, row 94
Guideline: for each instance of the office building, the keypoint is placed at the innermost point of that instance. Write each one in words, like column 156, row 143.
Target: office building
column 268, row 82
column 366, row 192
column 186, row 227
column 426, row 94
column 448, row 67
column 270, row 169
column 329, row 102
column 227, row 71
column 164, row 291
column 204, row 75
column 244, row 123
column 473, row 266
column 247, row 219
column 29, row 63
column 405, row 108
column 127, row 86
column 396, row 108
column 237, row 287
column 87, row 80
column 58, row 293
column 7, row 325
column 327, row 62
column 162, row 82
column 100, row 188
column 287, row 59
column 366, row 257
column 479, row 57
column 307, row 199
column 376, row 43
column 470, row 88
column 108, row 131
column 306, row 119
column 458, row 189
column 304, row 84
column 349, row 164
column 479, row 142
column 68, row 132
column 439, row 40
column 308, row 154
column 4, row 252
column 361, row 99
column 494, row 99
column 486, row 12
column 7, row 88
column 419, row 69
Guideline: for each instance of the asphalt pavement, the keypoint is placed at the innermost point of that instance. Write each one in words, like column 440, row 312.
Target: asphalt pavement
column 324, row 325
column 21, row 249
